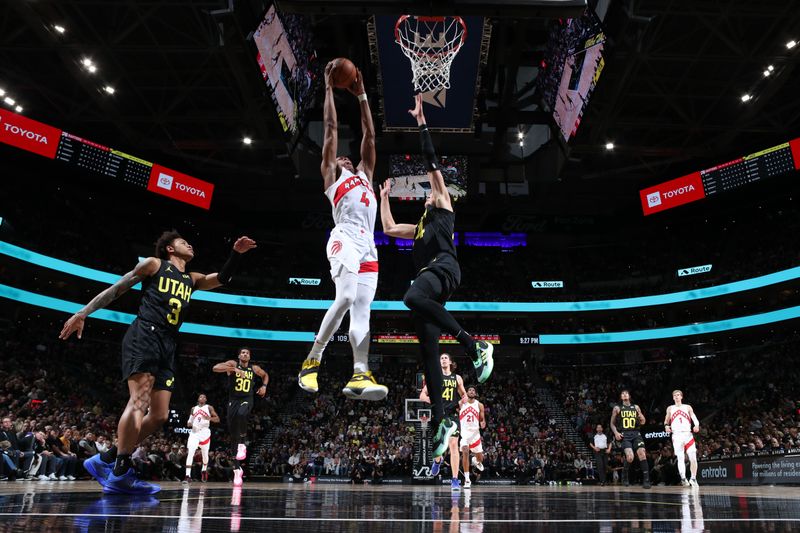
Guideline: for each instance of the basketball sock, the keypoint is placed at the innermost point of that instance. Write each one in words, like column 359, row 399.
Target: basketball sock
column 122, row 464
column 466, row 340
column 466, row 476
column 316, row 350
column 205, row 467
column 625, row 470
column 645, row 468
column 188, row 471
column 110, row 455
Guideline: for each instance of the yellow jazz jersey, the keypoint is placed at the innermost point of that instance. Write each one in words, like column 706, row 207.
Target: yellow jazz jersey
column 629, row 419
column 242, row 387
column 450, row 393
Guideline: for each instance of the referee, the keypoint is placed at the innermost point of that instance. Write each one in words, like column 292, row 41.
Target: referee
column 601, row 452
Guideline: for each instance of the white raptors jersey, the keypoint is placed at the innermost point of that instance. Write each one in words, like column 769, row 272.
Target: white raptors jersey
column 353, row 201
column 679, row 419
column 470, row 417
column 201, row 418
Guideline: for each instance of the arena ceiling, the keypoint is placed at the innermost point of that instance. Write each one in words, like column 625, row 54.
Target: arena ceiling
column 187, row 88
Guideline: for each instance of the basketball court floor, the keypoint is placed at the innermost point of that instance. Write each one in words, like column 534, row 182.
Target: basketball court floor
column 307, row 508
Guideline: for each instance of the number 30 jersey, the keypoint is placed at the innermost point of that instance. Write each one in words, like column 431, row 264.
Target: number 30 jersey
column 241, row 387
column 165, row 297
column 353, row 201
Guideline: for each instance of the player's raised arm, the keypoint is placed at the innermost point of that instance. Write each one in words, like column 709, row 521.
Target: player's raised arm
column 206, row 282
column 367, row 163
column 331, row 135
column 390, row 227
column 439, row 193
column 146, row 268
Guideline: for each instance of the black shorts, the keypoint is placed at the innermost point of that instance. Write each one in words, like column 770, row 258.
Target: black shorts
column 239, row 407
column 148, row 349
column 446, row 268
column 631, row 440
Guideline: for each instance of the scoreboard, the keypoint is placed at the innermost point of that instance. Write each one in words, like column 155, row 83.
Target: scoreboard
column 53, row 143
column 775, row 161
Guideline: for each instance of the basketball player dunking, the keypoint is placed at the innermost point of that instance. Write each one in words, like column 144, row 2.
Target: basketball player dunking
column 148, row 349
column 678, row 421
column 473, row 420
column 199, row 421
column 451, row 383
column 351, row 248
column 631, row 436
column 241, row 378
column 438, row 275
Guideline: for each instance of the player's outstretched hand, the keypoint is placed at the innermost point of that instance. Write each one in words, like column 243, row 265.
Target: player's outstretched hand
column 244, row 244
column 417, row 112
column 73, row 324
column 386, row 187
column 262, row 391
column 357, row 87
column 329, row 73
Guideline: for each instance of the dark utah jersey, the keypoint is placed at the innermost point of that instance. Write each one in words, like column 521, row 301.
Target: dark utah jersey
column 166, row 296
column 433, row 236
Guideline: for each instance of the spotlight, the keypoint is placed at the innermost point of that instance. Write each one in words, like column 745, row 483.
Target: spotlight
column 522, row 143
column 18, row 109
column 770, row 68
column 746, row 98
column 520, row 135
column 609, row 146
column 59, row 28
column 109, row 89
column 2, row 92
column 9, row 100
column 92, row 69
column 791, row 44
column 86, row 62
column 767, row 73
column 247, row 140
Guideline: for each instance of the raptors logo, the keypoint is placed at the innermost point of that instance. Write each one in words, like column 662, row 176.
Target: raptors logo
column 336, row 247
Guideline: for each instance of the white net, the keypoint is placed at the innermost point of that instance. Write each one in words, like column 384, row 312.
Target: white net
column 431, row 45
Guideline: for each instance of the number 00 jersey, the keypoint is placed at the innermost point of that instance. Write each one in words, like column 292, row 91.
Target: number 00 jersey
column 629, row 419
column 353, row 201
column 165, row 297
column 242, row 387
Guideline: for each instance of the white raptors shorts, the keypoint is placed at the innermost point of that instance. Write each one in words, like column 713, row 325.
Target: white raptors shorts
column 353, row 249
column 202, row 439
column 472, row 439
column 683, row 440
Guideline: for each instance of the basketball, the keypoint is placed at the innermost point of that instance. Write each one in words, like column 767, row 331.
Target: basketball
column 344, row 73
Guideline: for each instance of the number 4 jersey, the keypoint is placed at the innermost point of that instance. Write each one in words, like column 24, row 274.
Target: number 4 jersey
column 165, row 297
column 351, row 245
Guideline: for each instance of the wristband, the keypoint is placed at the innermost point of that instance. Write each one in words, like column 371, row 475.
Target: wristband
column 229, row 268
column 362, row 97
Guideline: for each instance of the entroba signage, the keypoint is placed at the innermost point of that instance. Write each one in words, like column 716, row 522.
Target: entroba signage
column 672, row 193
column 181, row 187
column 28, row 134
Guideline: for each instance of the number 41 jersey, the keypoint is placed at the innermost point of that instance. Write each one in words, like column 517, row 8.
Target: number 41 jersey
column 165, row 297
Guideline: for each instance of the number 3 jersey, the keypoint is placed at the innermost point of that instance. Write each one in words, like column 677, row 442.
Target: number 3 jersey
column 165, row 297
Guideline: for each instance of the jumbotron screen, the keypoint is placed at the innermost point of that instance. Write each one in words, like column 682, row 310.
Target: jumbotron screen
column 288, row 64
column 410, row 177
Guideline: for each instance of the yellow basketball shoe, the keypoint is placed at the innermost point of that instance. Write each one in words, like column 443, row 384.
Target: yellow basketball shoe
column 307, row 378
column 362, row 386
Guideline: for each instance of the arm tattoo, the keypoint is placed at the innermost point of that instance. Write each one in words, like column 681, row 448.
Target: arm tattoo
column 113, row 292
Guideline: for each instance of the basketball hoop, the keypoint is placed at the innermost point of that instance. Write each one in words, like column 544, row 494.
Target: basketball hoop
column 423, row 422
column 431, row 45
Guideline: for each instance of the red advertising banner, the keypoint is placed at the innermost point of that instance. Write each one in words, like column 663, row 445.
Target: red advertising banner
column 794, row 145
column 28, row 134
column 180, row 186
column 672, row 193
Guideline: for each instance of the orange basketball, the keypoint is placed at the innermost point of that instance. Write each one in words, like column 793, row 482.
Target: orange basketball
column 344, row 73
